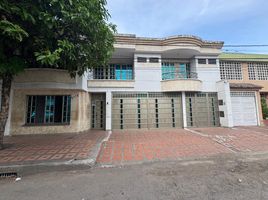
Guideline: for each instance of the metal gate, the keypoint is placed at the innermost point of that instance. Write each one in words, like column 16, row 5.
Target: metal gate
column 202, row 109
column 98, row 111
column 146, row 110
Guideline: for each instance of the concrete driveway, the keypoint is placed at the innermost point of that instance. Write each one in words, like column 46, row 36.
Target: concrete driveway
column 125, row 147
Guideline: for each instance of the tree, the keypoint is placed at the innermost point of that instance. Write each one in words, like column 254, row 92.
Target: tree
column 264, row 108
column 68, row 34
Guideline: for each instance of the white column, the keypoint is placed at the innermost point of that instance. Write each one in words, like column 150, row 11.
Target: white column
column 8, row 123
column 108, row 111
column 184, row 116
column 257, row 109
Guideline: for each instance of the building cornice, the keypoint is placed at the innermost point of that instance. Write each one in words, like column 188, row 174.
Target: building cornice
column 181, row 40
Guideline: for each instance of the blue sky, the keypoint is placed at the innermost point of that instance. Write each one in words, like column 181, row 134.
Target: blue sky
column 231, row 21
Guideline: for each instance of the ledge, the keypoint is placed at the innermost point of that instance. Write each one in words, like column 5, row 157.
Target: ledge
column 181, row 85
column 110, row 83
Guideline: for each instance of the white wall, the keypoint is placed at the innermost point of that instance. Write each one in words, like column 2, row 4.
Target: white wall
column 147, row 75
column 209, row 75
column 223, row 88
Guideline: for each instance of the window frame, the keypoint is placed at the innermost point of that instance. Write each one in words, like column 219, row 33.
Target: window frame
column 65, row 99
column 202, row 59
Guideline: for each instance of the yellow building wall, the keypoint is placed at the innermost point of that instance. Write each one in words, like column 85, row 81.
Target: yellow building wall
column 80, row 112
column 44, row 75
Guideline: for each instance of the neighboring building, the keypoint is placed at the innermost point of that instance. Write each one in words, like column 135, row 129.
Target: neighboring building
column 150, row 83
column 248, row 77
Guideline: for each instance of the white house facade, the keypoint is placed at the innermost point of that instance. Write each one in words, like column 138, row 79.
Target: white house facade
column 149, row 83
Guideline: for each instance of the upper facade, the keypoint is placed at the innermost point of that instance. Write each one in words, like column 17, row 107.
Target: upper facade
column 245, row 69
column 178, row 63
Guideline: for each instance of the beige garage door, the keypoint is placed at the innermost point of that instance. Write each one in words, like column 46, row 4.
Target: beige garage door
column 202, row 109
column 146, row 110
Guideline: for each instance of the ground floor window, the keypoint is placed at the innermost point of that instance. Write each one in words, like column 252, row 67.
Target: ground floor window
column 48, row 109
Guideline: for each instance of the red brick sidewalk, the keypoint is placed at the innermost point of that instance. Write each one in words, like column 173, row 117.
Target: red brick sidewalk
column 240, row 139
column 125, row 146
column 45, row 148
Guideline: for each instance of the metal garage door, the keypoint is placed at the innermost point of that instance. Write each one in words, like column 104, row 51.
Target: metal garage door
column 146, row 110
column 244, row 108
column 202, row 109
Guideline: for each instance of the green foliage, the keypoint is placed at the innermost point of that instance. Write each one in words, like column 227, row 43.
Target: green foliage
column 264, row 108
column 12, row 30
column 68, row 34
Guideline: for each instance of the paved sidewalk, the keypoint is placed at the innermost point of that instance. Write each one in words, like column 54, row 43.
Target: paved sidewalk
column 132, row 146
column 239, row 139
column 30, row 149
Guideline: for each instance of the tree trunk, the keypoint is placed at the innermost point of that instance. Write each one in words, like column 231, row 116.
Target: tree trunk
column 6, row 86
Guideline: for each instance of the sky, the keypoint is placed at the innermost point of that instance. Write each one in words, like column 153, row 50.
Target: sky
column 236, row 22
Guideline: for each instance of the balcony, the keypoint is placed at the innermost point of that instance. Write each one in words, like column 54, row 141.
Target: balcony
column 180, row 81
column 112, row 76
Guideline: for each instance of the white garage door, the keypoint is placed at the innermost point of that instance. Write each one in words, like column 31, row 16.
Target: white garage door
column 244, row 108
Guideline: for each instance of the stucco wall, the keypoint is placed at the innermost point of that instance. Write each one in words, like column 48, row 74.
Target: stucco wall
column 110, row 84
column 80, row 113
column 147, row 75
column 181, row 85
column 208, row 74
column 44, row 75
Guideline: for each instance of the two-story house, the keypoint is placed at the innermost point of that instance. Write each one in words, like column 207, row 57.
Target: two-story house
column 248, row 78
column 157, row 83
column 150, row 83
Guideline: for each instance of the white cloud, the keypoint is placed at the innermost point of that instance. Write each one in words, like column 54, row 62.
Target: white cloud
column 158, row 18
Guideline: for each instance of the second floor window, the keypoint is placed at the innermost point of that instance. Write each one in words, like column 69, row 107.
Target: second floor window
column 114, row 72
column 171, row 71
column 258, row 71
column 231, row 71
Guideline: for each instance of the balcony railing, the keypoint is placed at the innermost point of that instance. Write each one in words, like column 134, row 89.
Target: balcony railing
column 112, row 72
column 178, row 75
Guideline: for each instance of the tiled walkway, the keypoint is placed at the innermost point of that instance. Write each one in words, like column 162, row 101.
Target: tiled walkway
column 127, row 146
column 239, row 139
column 45, row 148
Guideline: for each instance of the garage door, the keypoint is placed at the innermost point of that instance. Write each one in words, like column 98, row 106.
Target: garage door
column 146, row 110
column 244, row 108
column 202, row 110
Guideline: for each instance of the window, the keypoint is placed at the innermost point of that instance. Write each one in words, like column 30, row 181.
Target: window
column 142, row 59
column 202, row 61
column 231, row 71
column 258, row 71
column 114, row 72
column 153, row 60
column 168, row 71
column 212, row 61
column 48, row 109
column 171, row 71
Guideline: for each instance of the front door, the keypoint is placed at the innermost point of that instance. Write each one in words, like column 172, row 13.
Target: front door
column 98, row 111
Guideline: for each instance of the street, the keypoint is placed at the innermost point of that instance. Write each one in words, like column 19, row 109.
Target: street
column 219, row 177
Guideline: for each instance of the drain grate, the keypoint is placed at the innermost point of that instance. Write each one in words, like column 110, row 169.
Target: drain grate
column 8, row 175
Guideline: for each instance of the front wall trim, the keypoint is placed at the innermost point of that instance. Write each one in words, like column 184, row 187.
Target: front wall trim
column 181, row 85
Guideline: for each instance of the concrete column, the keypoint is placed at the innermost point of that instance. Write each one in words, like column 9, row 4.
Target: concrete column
column 184, row 116
column 108, row 111
column 224, row 94
column 258, row 108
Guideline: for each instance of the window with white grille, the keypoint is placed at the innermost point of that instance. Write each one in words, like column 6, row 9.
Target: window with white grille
column 231, row 71
column 258, row 71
